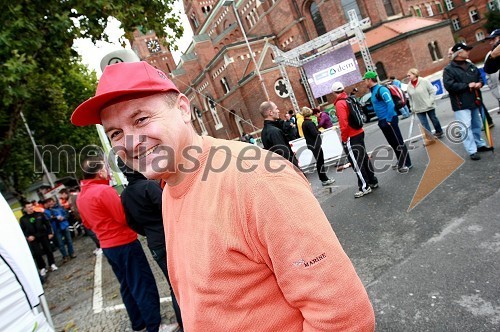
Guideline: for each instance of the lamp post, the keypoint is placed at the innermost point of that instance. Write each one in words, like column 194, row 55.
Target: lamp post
column 228, row 3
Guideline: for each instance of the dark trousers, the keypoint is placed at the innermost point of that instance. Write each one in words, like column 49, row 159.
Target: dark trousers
column 320, row 162
column 356, row 153
column 137, row 285
column 39, row 247
column 160, row 256
column 395, row 139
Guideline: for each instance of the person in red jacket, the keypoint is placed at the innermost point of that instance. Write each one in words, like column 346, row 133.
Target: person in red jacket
column 353, row 141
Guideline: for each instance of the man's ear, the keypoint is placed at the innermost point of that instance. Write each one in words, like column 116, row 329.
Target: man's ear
column 184, row 107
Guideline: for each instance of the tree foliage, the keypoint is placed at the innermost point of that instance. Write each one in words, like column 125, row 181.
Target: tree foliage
column 42, row 77
column 493, row 20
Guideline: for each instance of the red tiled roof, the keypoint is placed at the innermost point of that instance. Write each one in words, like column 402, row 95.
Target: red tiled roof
column 392, row 29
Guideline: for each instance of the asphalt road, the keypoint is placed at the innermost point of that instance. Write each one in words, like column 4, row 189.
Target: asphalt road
column 434, row 268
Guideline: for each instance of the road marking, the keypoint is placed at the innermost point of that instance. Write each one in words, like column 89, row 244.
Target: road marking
column 97, row 301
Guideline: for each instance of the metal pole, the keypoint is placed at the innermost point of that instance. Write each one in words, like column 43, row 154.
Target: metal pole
column 250, row 50
column 44, row 168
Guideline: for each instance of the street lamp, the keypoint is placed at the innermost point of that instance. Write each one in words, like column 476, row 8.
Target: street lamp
column 228, row 3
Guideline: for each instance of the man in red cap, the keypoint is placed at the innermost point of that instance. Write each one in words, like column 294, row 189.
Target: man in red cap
column 237, row 260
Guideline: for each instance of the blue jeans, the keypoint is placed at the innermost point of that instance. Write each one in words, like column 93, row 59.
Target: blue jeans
column 405, row 112
column 425, row 123
column 137, row 285
column 59, row 233
column 160, row 256
column 470, row 129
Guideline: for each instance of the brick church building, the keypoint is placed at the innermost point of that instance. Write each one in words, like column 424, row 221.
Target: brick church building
column 218, row 75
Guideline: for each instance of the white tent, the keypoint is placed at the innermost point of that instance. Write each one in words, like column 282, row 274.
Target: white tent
column 22, row 301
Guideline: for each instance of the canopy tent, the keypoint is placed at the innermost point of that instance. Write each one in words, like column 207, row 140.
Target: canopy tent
column 22, row 301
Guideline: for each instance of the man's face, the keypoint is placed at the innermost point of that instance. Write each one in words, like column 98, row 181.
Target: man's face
column 287, row 116
column 368, row 83
column 29, row 208
column 275, row 112
column 462, row 55
column 148, row 134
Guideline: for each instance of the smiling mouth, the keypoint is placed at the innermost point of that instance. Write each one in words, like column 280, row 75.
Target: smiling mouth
column 147, row 153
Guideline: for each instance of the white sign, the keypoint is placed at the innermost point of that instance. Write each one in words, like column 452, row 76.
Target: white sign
column 334, row 71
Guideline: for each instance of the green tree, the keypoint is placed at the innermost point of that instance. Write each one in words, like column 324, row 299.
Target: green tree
column 41, row 75
column 493, row 20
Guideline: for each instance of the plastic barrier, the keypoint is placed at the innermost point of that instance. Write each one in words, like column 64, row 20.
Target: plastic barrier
column 332, row 148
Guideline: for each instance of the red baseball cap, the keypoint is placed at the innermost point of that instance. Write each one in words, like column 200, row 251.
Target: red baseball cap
column 118, row 80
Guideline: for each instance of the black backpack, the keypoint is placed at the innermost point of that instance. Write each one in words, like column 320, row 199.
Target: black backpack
column 355, row 118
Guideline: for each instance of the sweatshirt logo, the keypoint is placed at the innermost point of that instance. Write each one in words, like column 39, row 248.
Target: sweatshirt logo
column 309, row 263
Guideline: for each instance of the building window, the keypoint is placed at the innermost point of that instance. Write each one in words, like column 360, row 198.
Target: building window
column 321, row 100
column 439, row 7
column 225, row 85
column 455, row 22
column 418, row 12
column 474, row 15
column 380, row 69
column 428, row 7
column 449, row 4
column 434, row 51
column 479, row 35
column 193, row 18
column 388, row 7
column 199, row 116
column 317, row 20
column 461, row 40
column 213, row 109
column 492, row 5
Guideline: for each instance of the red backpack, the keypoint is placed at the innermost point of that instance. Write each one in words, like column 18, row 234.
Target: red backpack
column 398, row 96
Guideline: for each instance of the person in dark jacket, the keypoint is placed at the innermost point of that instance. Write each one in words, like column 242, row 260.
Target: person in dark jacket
column 272, row 134
column 37, row 230
column 141, row 201
column 492, row 60
column 313, row 141
column 463, row 81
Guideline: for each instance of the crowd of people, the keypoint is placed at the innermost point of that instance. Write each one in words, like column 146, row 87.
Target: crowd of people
column 217, row 230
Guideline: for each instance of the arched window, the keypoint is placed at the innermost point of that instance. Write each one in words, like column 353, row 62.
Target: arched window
column 474, row 15
column 382, row 75
column 418, row 12
column 428, row 7
column 455, row 22
column 225, row 85
column 479, row 35
column 388, row 7
column 212, row 106
column 434, row 50
column 199, row 116
column 317, row 20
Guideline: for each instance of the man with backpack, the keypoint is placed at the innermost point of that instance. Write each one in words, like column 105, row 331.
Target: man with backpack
column 353, row 139
column 384, row 108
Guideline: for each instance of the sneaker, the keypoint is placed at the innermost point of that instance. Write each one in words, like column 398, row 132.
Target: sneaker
column 53, row 267
column 374, row 186
column 72, row 256
column 439, row 135
column 43, row 272
column 327, row 182
column 474, row 156
column 395, row 166
column 168, row 327
column 484, row 148
column 98, row 251
column 404, row 169
column 362, row 193
column 65, row 259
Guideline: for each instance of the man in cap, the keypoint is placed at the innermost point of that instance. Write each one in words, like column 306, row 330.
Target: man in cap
column 237, row 260
column 353, row 141
column 463, row 81
column 492, row 64
column 384, row 108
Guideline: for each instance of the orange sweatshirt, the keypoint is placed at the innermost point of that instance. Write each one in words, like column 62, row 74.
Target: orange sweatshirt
column 241, row 259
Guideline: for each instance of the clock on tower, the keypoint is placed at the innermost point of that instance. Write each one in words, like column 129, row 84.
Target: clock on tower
column 153, row 46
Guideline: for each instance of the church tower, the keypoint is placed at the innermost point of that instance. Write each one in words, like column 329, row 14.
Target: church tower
column 151, row 49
